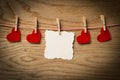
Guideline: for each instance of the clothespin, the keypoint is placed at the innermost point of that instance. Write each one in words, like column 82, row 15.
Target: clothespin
column 16, row 23
column 85, row 24
column 36, row 24
column 58, row 25
column 103, row 21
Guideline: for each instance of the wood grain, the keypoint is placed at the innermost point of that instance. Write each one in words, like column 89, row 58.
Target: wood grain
column 25, row 61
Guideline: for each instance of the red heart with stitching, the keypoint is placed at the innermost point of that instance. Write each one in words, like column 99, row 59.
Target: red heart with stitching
column 104, row 35
column 14, row 36
column 34, row 37
column 84, row 38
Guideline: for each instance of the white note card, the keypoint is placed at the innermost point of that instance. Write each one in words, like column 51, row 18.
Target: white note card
column 59, row 46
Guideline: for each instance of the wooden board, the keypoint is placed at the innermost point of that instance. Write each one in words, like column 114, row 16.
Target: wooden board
column 25, row 61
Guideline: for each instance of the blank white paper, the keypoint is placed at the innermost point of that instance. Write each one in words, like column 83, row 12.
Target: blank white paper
column 59, row 46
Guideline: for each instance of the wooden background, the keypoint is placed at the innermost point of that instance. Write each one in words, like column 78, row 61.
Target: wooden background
column 25, row 61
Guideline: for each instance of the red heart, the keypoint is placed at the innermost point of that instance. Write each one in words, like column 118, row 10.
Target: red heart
column 84, row 38
column 104, row 35
column 34, row 37
column 14, row 36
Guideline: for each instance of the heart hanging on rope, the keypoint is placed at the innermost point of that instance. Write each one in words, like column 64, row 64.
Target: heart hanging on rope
column 14, row 36
column 34, row 37
column 104, row 35
column 84, row 38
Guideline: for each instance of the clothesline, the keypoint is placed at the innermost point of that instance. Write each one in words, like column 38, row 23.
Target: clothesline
column 62, row 28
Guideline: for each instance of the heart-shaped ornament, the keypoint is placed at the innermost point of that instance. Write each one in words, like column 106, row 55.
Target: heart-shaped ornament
column 104, row 35
column 14, row 36
column 34, row 37
column 84, row 38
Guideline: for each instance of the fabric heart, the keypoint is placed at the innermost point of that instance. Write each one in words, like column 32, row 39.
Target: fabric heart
column 104, row 35
column 34, row 37
column 14, row 36
column 84, row 38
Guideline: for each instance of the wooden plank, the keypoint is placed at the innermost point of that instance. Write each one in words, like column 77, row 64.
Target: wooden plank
column 25, row 61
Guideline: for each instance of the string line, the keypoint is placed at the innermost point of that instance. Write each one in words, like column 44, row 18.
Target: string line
column 62, row 28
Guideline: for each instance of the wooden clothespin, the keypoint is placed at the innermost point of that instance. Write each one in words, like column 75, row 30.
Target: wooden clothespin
column 103, row 21
column 36, row 24
column 85, row 24
column 16, row 23
column 58, row 25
